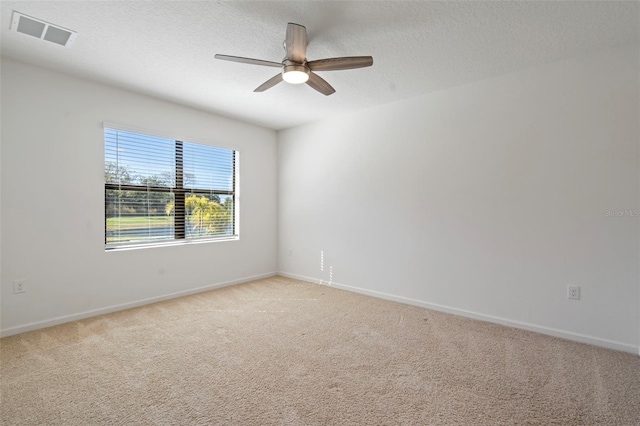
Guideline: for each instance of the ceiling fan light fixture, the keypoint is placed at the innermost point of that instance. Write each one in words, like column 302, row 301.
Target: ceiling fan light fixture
column 295, row 67
column 295, row 74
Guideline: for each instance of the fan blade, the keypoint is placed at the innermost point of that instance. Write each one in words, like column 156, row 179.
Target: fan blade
column 248, row 60
column 320, row 84
column 296, row 43
column 346, row 63
column 269, row 83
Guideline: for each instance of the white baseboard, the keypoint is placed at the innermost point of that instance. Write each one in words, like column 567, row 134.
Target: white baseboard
column 582, row 338
column 101, row 311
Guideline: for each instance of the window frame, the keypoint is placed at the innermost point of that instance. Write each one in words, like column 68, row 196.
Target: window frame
column 179, row 191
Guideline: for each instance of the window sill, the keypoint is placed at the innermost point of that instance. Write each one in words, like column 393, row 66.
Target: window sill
column 138, row 246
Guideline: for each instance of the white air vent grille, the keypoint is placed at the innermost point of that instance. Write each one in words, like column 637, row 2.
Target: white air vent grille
column 43, row 30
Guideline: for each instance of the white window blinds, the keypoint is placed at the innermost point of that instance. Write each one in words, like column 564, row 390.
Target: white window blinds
column 159, row 190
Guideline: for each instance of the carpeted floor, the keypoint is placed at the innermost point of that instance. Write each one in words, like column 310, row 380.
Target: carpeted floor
column 281, row 351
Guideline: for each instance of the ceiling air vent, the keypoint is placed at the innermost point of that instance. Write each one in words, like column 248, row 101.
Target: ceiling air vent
column 43, row 30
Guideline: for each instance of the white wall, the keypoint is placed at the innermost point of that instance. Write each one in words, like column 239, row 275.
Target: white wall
column 486, row 200
column 52, row 204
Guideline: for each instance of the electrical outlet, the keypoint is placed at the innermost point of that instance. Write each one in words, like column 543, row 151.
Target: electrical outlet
column 19, row 286
column 290, row 252
column 573, row 292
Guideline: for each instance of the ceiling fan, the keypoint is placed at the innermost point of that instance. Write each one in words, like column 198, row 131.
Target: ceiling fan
column 295, row 67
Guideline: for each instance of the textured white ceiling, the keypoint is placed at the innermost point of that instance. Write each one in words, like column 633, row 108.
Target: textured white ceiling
column 166, row 48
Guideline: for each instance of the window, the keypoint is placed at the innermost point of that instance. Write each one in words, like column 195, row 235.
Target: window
column 160, row 190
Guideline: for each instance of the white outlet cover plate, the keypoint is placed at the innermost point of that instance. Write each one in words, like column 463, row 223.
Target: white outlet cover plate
column 19, row 286
column 573, row 292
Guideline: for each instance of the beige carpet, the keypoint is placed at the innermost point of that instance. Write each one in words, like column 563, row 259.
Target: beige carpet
column 280, row 351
